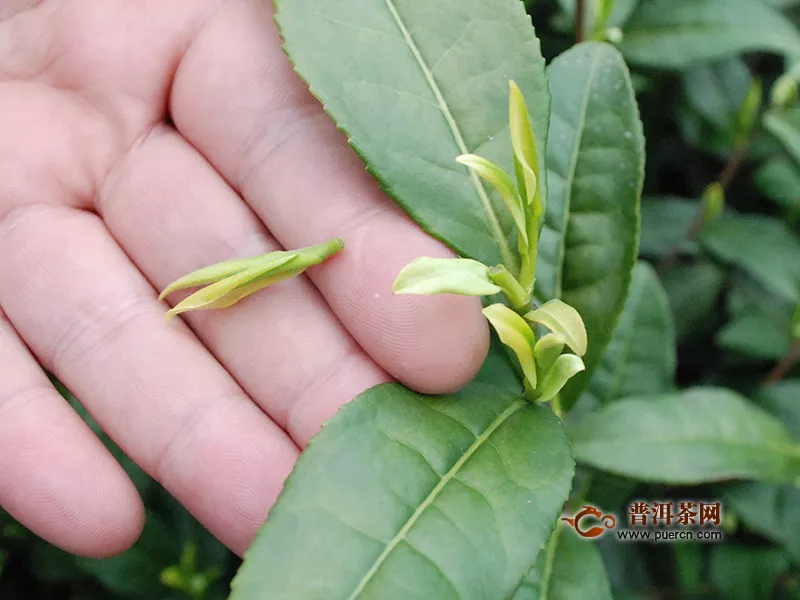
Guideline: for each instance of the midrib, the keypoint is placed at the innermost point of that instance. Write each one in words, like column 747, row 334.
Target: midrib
column 446, row 478
column 497, row 231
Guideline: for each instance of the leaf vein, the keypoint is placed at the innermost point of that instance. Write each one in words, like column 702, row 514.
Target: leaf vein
column 446, row 478
column 497, row 231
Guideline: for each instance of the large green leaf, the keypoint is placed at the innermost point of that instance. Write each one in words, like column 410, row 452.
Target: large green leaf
column 641, row 357
column 403, row 496
column 680, row 33
column 763, row 247
column 571, row 568
column 704, row 434
column 415, row 84
column 595, row 161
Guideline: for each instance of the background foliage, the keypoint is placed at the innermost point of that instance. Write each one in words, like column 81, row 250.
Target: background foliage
column 712, row 303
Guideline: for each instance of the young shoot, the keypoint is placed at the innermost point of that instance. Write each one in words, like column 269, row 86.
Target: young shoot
column 230, row 281
column 545, row 369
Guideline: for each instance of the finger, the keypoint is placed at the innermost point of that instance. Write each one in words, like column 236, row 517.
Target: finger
column 93, row 320
column 236, row 98
column 283, row 345
column 56, row 478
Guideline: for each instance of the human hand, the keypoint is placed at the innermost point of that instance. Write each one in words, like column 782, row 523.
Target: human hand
column 138, row 142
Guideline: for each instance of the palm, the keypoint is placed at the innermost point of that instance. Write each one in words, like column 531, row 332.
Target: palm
column 103, row 201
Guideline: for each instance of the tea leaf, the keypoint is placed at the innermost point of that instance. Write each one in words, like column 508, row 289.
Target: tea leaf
column 416, row 84
column 641, row 357
column 427, row 276
column 547, row 350
column 564, row 320
column 564, row 369
column 237, row 279
column 570, row 568
column 760, row 246
column 595, row 159
column 504, row 185
column 769, row 509
column 680, row 33
column 701, row 435
column 526, row 156
column 515, row 333
column 408, row 497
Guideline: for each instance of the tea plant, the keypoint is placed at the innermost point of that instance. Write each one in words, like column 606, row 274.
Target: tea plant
column 647, row 329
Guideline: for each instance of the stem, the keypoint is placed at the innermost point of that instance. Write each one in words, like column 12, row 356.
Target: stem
column 785, row 364
column 725, row 179
column 516, row 294
column 735, row 162
column 580, row 21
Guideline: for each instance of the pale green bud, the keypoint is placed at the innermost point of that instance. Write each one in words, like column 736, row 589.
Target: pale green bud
column 565, row 367
column 233, row 280
column 427, row 276
column 515, row 333
column 564, row 320
column 547, row 351
column 504, row 184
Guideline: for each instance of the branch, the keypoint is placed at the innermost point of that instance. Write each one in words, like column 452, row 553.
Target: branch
column 580, row 21
column 725, row 179
column 785, row 364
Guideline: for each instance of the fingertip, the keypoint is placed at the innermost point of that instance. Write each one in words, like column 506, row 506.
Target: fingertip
column 433, row 344
column 451, row 347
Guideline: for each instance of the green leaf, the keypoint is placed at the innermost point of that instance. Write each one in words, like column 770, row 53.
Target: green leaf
column 771, row 510
column 515, row 333
column 547, row 351
column 504, row 186
column 694, row 292
column 403, row 497
column 784, row 125
column 571, row 568
column 595, row 159
column 745, row 573
column 680, row 33
column 237, row 279
column 641, row 358
column 666, row 221
column 755, row 335
column 780, row 399
column 416, row 84
column 564, row 369
column 761, row 247
column 526, row 156
column 779, row 179
column 427, row 276
column 704, row 434
column 717, row 92
column 564, row 320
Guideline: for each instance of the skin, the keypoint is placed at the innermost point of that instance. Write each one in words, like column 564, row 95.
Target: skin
column 140, row 141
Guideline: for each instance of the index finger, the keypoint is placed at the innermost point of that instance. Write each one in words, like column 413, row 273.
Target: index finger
column 236, row 98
